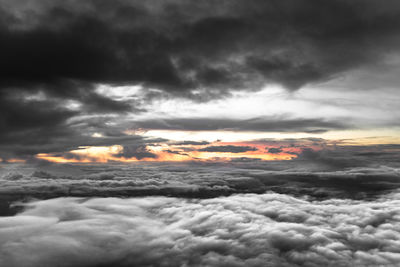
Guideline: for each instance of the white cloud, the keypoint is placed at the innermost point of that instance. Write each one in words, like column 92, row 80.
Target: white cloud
column 240, row 230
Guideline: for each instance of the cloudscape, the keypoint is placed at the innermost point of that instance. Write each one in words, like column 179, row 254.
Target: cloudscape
column 199, row 133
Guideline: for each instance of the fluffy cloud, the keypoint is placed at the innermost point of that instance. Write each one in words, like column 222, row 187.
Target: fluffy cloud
column 243, row 213
column 319, row 177
column 240, row 230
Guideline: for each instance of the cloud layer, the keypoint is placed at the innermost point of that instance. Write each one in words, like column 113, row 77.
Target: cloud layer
column 315, row 210
column 357, row 173
column 240, row 230
column 268, row 124
column 180, row 45
column 56, row 54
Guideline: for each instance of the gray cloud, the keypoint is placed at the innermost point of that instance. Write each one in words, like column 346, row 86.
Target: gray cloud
column 187, row 45
column 46, row 126
column 191, row 143
column 136, row 151
column 346, row 172
column 239, row 213
column 272, row 124
column 176, row 152
column 240, row 230
column 274, row 150
column 200, row 50
column 228, row 148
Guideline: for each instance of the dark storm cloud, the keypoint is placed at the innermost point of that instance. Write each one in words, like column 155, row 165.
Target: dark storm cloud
column 229, row 148
column 33, row 122
column 180, row 45
column 60, row 135
column 268, row 124
column 37, row 116
column 200, row 49
column 96, row 103
column 29, row 124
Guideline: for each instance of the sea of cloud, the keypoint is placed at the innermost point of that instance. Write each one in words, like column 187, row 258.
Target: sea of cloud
column 195, row 180
column 267, row 229
column 252, row 214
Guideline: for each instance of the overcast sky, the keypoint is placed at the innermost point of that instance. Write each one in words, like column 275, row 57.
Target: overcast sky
column 199, row 133
column 133, row 80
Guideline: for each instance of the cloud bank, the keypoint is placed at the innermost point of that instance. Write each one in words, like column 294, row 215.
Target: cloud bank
column 356, row 173
column 182, row 45
column 56, row 54
column 240, row 230
column 312, row 211
column 262, row 124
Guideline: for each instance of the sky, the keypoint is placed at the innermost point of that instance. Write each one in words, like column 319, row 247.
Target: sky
column 199, row 133
column 101, row 81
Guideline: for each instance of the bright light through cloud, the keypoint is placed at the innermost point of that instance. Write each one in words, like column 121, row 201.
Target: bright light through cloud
column 118, row 92
column 199, row 133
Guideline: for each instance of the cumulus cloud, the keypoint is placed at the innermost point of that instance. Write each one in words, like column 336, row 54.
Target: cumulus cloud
column 239, row 230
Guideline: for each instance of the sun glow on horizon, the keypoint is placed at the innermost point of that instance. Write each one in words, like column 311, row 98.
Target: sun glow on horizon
column 165, row 152
column 256, row 148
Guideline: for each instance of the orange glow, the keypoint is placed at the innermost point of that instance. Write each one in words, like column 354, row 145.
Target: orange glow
column 165, row 152
column 170, row 151
column 55, row 159
column 14, row 160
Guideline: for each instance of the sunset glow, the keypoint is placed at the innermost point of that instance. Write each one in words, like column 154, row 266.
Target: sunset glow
column 258, row 148
column 199, row 133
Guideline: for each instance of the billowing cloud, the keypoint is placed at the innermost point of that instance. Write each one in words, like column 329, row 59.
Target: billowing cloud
column 128, row 80
column 346, row 173
column 238, row 213
column 239, row 230
column 180, row 45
